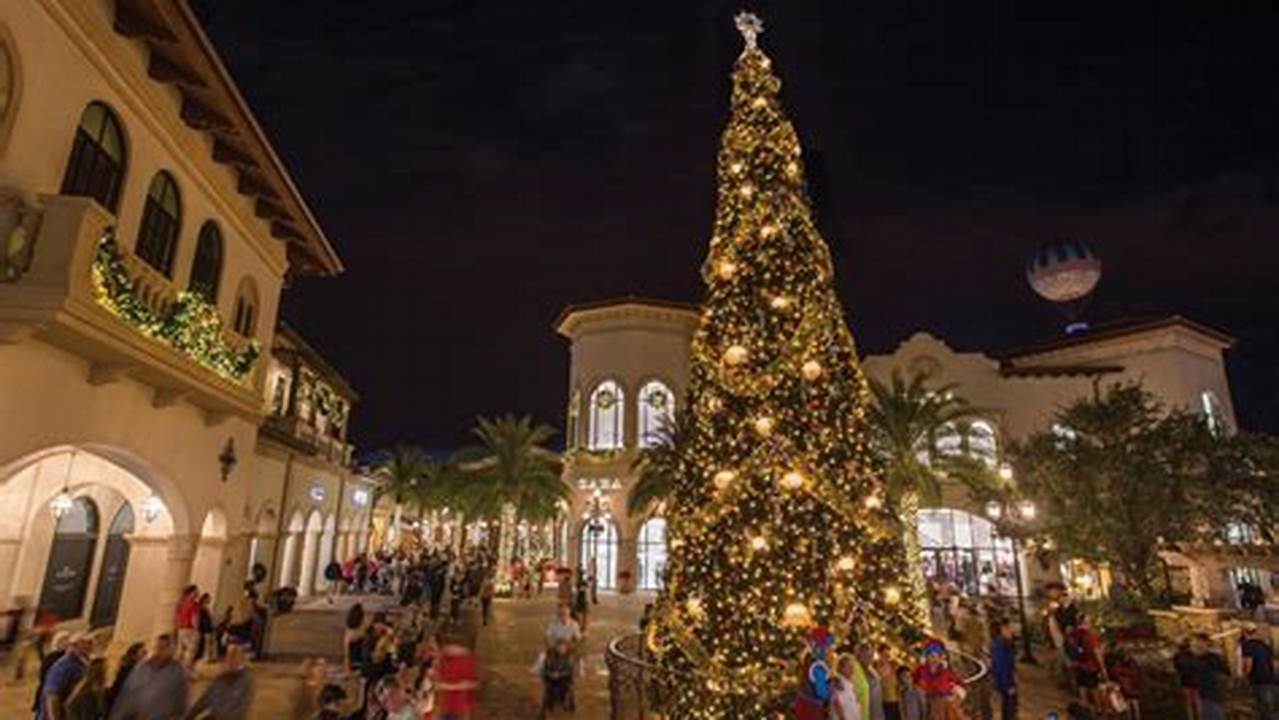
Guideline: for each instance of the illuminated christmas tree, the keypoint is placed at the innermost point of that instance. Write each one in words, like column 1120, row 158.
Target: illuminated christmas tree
column 777, row 523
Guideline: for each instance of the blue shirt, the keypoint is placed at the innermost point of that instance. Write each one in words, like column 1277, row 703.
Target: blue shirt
column 1002, row 668
column 60, row 681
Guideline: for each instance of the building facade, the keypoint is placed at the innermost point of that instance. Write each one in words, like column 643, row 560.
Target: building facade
column 148, row 229
column 618, row 348
column 628, row 374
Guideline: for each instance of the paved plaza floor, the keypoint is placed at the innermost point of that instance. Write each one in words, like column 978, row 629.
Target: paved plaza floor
column 506, row 648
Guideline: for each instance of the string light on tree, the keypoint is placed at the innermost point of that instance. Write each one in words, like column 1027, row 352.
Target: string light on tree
column 778, row 452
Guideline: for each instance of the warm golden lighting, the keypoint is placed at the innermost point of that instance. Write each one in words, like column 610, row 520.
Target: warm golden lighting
column 874, row 501
column 725, row 269
column 892, row 595
column 747, row 191
column 793, row 480
column 811, row 370
column 694, row 606
column 796, row 615
column 736, row 355
column 758, row 542
column 768, row 231
column 780, row 302
column 764, row 426
column 723, row 479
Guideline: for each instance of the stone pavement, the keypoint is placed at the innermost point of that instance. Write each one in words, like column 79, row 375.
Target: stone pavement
column 506, row 649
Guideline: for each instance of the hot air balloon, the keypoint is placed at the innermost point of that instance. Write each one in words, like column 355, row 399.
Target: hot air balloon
column 1065, row 272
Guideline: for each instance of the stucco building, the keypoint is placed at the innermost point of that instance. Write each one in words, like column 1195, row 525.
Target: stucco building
column 148, row 228
column 620, row 349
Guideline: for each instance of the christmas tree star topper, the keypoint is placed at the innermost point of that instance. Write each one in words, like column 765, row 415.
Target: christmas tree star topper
column 750, row 26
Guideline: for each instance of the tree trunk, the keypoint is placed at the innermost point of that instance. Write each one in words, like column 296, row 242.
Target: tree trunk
column 395, row 524
column 914, row 555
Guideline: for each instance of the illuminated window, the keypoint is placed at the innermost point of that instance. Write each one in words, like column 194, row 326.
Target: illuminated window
column 982, row 443
column 607, row 405
column 574, row 420
column 964, row 550
column 651, row 550
column 656, row 410
column 1210, row 406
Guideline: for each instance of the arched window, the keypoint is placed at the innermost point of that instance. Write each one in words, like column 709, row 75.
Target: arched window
column 948, row 440
column 206, row 272
column 115, row 562
column 10, row 84
column 66, row 577
column 246, row 308
column 607, row 405
column 651, row 550
column 97, row 163
column 599, row 551
column 656, row 410
column 161, row 218
column 574, row 420
column 964, row 550
column 982, row 443
column 1211, row 408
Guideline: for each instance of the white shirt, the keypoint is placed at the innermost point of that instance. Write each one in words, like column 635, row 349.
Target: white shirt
column 843, row 697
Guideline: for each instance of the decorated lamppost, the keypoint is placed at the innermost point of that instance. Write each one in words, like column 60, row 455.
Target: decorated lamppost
column 1012, row 518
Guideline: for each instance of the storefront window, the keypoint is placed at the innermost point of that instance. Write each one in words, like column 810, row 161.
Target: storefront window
column 963, row 550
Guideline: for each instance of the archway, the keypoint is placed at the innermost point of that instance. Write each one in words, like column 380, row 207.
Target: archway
column 310, row 551
column 651, row 552
column 115, row 562
column 64, row 564
column 326, row 553
column 207, row 566
column 296, row 526
column 599, row 551
column 66, row 575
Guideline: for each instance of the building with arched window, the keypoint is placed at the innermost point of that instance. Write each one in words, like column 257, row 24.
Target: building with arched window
column 136, row 452
column 634, row 354
column 633, row 342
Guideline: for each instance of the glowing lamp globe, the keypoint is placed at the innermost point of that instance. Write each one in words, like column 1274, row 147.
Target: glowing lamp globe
column 1064, row 271
column 796, row 615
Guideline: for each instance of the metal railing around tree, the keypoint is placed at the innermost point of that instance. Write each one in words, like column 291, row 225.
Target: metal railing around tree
column 636, row 686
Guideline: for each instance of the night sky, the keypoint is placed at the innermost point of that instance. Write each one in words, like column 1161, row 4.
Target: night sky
column 480, row 165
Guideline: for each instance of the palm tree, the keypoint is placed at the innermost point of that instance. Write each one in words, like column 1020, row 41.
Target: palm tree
column 659, row 465
column 510, row 468
column 402, row 470
column 907, row 419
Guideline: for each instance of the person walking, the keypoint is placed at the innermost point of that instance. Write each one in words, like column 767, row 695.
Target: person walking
column 1186, row 665
column 486, row 598
column 89, row 700
column 229, row 695
column 1212, row 677
column 206, row 646
column 1003, row 669
column 157, row 687
column 132, row 656
column 187, row 622
column 63, row 677
column 57, row 648
column 456, row 681
column 1259, row 667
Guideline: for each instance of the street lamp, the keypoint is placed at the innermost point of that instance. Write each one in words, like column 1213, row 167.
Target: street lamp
column 1011, row 525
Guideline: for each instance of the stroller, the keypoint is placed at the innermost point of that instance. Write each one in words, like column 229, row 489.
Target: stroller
column 558, row 669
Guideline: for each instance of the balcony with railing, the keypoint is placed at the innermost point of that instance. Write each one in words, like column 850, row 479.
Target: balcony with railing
column 65, row 281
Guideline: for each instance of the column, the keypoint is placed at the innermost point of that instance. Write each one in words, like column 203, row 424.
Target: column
column 177, row 575
column 235, row 568
column 627, row 562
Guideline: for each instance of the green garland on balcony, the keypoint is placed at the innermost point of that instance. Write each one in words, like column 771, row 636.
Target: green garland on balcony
column 190, row 325
column 329, row 405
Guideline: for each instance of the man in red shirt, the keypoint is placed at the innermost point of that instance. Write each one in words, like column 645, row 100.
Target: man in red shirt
column 456, row 680
column 187, row 622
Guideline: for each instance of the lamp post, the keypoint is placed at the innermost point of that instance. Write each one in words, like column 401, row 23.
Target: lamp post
column 1012, row 519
